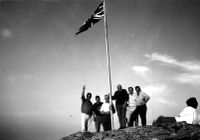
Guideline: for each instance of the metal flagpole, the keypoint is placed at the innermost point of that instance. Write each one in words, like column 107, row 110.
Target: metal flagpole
column 108, row 60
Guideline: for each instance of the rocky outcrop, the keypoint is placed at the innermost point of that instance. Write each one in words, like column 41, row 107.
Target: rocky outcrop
column 165, row 131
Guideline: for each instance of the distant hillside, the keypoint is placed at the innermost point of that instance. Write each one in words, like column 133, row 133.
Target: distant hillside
column 167, row 131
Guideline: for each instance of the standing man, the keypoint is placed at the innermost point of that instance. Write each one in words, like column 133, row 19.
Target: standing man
column 106, row 108
column 121, row 97
column 86, row 109
column 141, row 107
column 97, row 115
column 131, row 107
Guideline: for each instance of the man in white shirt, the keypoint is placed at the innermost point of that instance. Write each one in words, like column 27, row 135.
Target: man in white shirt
column 131, row 106
column 141, row 108
column 189, row 113
column 105, row 110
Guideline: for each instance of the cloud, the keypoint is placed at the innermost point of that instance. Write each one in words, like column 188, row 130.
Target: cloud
column 156, row 89
column 142, row 70
column 6, row 33
column 188, row 78
column 164, row 101
column 159, row 93
column 166, row 59
column 191, row 74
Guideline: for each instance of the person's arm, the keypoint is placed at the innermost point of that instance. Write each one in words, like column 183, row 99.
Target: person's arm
column 112, row 108
column 146, row 98
column 142, row 99
column 83, row 93
column 102, row 109
column 114, row 97
column 127, row 98
column 181, row 116
column 93, row 112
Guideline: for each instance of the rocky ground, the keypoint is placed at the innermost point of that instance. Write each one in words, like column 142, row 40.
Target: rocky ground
column 166, row 131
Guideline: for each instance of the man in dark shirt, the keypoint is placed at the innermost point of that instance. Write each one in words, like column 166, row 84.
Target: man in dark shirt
column 86, row 109
column 121, row 97
column 97, row 115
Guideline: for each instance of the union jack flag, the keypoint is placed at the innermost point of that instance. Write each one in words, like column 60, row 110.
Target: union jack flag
column 96, row 17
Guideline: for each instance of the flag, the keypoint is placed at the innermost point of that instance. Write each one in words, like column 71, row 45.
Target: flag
column 96, row 17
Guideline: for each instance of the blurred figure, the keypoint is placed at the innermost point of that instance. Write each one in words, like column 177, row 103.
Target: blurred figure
column 131, row 106
column 121, row 97
column 86, row 110
column 141, row 107
column 106, row 108
column 189, row 113
column 97, row 115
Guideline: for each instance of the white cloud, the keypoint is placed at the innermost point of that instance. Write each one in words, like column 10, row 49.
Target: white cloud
column 158, row 93
column 156, row 90
column 164, row 101
column 162, row 58
column 6, row 33
column 166, row 59
column 142, row 71
column 188, row 78
column 192, row 68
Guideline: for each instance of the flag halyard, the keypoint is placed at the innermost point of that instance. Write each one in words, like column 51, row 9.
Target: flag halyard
column 96, row 17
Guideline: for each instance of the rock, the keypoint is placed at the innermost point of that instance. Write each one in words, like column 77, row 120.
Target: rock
column 165, row 131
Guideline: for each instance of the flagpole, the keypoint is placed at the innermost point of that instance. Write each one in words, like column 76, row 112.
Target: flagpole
column 108, row 60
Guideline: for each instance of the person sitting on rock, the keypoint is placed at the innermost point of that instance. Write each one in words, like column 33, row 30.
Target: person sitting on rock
column 189, row 113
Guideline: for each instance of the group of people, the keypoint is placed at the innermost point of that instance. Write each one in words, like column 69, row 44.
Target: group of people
column 100, row 111
column 129, row 106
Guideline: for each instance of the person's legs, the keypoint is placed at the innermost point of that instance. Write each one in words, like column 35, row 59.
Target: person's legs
column 130, row 111
column 109, row 122
column 98, row 122
column 83, row 122
column 142, row 113
column 136, row 121
column 106, row 122
column 120, row 114
column 128, row 115
column 133, row 117
column 89, row 122
column 123, row 117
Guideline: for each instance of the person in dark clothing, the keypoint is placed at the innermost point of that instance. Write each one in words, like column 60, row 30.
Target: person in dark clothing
column 121, row 97
column 97, row 115
column 86, row 110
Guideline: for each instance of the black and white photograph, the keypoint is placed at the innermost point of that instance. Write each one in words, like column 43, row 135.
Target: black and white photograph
column 99, row 69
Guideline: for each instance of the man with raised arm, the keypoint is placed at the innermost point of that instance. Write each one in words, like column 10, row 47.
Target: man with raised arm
column 86, row 110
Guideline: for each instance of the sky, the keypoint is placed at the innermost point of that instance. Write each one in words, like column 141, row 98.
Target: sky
column 43, row 66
